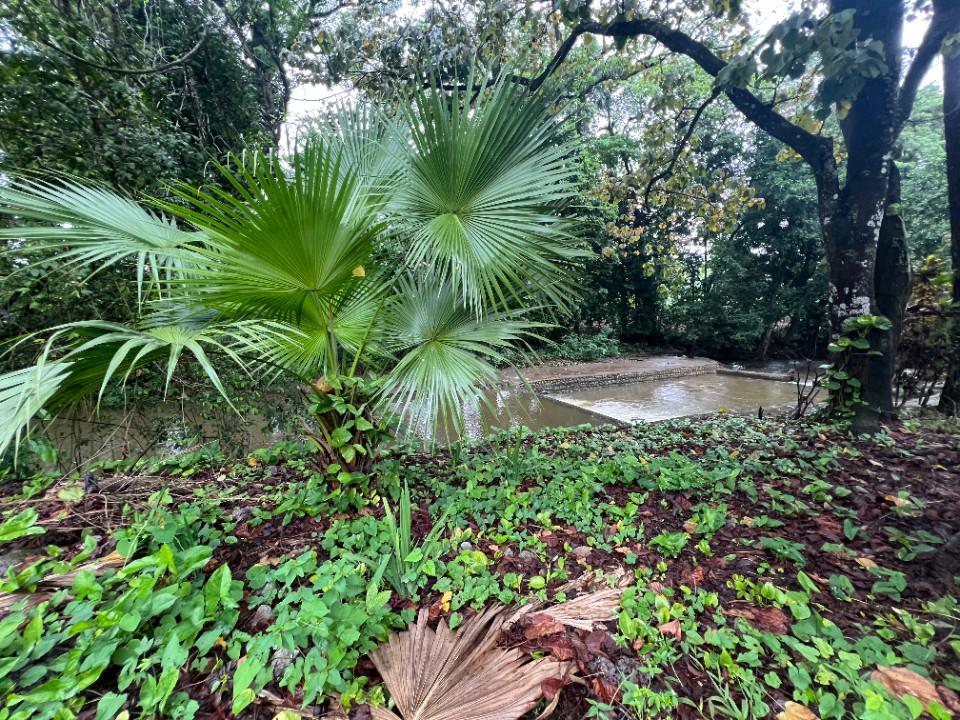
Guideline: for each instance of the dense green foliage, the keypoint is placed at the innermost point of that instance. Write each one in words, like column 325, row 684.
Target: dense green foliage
column 580, row 179
column 280, row 273
column 687, row 221
column 228, row 585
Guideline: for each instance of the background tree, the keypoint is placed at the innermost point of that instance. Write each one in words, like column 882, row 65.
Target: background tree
column 860, row 77
column 950, row 397
column 130, row 94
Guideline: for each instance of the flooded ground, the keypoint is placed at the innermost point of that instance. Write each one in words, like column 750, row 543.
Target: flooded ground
column 172, row 428
column 697, row 395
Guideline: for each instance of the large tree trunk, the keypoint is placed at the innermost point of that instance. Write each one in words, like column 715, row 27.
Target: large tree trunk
column 852, row 231
column 871, row 118
column 950, row 396
column 892, row 282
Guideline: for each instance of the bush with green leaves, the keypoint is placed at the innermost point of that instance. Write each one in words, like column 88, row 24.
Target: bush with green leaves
column 602, row 344
column 280, row 276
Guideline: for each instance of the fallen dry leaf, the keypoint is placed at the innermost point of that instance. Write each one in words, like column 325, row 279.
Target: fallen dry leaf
column 606, row 692
column 445, row 675
column 585, row 611
column 769, row 619
column 796, row 711
column 900, row 681
column 551, row 686
column 542, row 624
column 561, row 647
column 595, row 641
column 672, row 629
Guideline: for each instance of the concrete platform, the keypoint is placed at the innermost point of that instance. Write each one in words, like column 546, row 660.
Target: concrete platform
column 613, row 371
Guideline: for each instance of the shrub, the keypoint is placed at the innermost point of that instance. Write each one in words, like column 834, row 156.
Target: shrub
column 575, row 346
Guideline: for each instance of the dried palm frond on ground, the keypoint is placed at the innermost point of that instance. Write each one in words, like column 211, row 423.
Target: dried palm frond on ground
column 460, row 675
column 587, row 610
column 583, row 612
column 57, row 581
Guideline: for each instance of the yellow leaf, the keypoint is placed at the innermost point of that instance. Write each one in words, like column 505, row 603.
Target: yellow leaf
column 796, row 711
column 287, row 715
column 358, row 271
column 445, row 601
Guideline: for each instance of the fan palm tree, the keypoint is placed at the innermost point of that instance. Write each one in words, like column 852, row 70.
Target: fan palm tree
column 279, row 274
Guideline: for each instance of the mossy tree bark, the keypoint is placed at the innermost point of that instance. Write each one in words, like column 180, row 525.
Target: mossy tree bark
column 950, row 396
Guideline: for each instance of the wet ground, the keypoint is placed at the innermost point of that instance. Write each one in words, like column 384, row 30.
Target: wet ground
column 623, row 369
column 561, row 396
column 697, row 395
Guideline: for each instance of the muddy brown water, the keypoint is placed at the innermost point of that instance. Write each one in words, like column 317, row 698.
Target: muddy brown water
column 696, row 395
column 176, row 428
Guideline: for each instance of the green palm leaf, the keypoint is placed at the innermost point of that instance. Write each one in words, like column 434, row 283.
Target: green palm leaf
column 23, row 393
column 480, row 191
column 92, row 227
column 284, row 245
column 445, row 353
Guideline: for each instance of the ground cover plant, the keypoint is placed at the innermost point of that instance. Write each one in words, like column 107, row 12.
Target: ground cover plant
column 766, row 570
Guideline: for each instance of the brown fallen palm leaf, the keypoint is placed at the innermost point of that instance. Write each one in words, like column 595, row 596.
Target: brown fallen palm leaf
column 459, row 675
column 58, row 581
column 585, row 611
column 582, row 612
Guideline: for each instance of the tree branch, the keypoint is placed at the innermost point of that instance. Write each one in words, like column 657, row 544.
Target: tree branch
column 163, row 67
column 668, row 171
column 946, row 20
column 815, row 149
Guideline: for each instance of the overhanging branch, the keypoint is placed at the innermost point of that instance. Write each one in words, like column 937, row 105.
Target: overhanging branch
column 946, row 20
column 816, row 150
column 163, row 67
column 668, row 171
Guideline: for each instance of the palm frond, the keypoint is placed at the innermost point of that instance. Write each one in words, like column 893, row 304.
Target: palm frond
column 445, row 675
column 353, row 328
column 445, row 353
column 283, row 245
column 100, row 352
column 584, row 612
column 23, row 393
column 371, row 144
column 480, row 194
column 92, row 227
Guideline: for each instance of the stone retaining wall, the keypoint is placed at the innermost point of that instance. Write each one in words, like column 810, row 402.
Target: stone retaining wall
column 757, row 375
column 580, row 382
